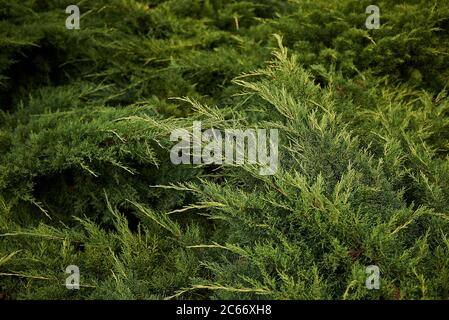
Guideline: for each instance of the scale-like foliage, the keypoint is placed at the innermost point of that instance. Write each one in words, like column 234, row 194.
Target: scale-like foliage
column 85, row 171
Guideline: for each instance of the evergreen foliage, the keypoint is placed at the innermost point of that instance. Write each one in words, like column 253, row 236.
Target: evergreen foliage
column 85, row 171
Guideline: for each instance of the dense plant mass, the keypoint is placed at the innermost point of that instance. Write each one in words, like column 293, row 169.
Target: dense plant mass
column 85, row 171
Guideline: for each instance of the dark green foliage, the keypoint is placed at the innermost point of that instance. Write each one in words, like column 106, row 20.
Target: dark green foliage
column 85, row 171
